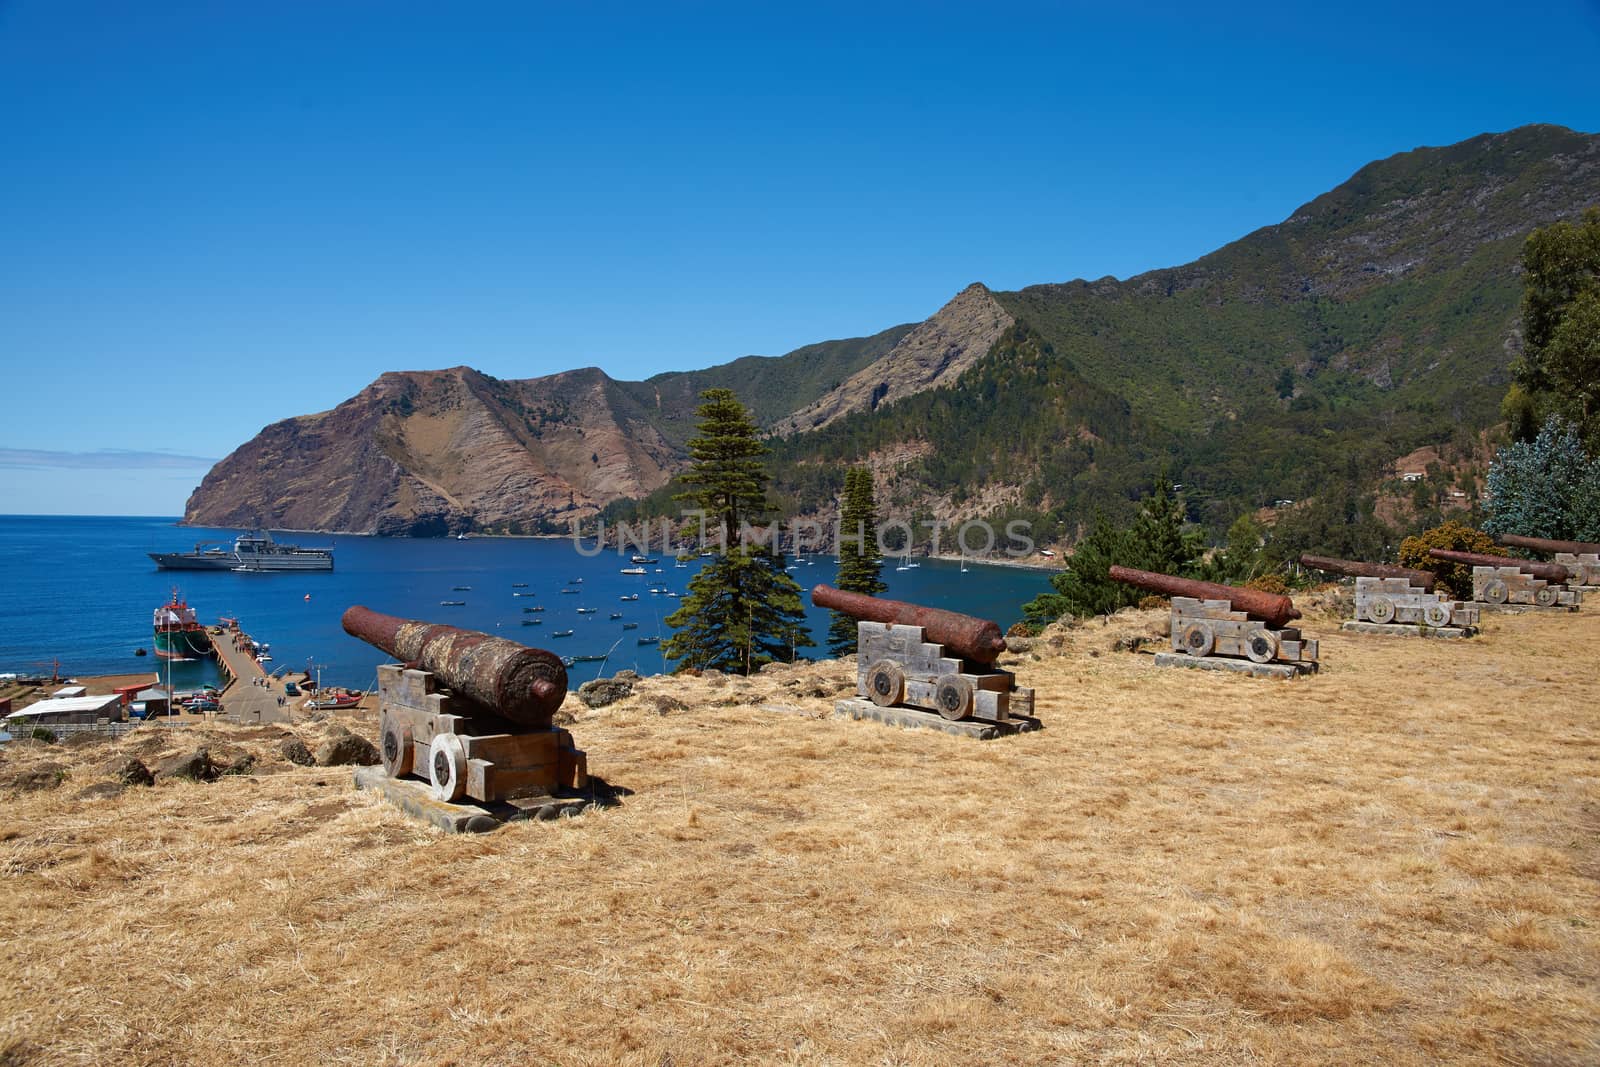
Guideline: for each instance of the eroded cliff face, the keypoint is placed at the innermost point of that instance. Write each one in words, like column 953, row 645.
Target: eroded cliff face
column 934, row 354
column 435, row 452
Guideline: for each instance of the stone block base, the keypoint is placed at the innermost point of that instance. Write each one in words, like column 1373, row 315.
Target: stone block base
column 1407, row 629
column 1234, row 666
column 916, row 718
column 415, row 797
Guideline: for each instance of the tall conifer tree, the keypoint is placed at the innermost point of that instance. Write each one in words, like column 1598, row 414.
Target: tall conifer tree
column 860, row 561
column 742, row 609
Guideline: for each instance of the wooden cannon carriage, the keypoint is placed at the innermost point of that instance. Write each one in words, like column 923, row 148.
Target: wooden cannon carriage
column 1224, row 627
column 918, row 666
column 1502, row 583
column 1398, row 600
column 472, row 715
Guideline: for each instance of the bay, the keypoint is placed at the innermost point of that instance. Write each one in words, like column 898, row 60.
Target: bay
column 83, row 590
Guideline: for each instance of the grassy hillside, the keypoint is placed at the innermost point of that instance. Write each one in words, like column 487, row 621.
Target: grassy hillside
column 1392, row 862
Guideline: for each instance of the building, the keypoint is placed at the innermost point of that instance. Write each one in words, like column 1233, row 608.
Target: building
column 67, row 711
column 156, row 700
column 68, row 692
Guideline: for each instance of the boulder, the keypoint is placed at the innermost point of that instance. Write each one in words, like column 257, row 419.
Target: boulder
column 243, row 763
column 129, row 770
column 1019, row 644
column 666, row 705
column 603, row 691
column 32, row 779
column 295, row 751
column 345, row 749
column 195, row 766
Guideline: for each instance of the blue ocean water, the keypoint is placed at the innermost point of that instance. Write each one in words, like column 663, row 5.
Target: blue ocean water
column 83, row 590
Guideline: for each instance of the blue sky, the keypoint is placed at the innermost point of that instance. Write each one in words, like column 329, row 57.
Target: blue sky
column 214, row 216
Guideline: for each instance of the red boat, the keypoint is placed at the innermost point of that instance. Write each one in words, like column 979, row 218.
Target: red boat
column 178, row 634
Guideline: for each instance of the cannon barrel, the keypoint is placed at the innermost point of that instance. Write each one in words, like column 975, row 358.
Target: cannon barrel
column 525, row 685
column 1358, row 569
column 1271, row 608
column 979, row 640
column 1550, row 572
column 1543, row 544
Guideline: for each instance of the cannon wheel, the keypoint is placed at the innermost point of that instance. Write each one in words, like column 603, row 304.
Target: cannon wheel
column 953, row 696
column 1495, row 591
column 1546, row 596
column 1380, row 609
column 447, row 767
column 1436, row 614
column 1261, row 644
column 886, row 684
column 395, row 746
column 1197, row 639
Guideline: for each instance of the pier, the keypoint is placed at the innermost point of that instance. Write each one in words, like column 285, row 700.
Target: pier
column 251, row 695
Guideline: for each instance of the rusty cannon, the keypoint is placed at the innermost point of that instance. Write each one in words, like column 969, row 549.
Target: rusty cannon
column 1398, row 600
column 1500, row 581
column 916, row 666
column 470, row 712
column 1581, row 558
column 1357, row 569
column 1550, row 572
column 1243, row 629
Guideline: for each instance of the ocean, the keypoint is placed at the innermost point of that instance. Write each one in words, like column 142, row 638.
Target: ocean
column 82, row 590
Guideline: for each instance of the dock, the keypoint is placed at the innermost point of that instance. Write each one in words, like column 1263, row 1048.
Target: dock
column 250, row 695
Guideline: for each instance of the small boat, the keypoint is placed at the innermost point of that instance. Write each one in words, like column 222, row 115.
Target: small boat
column 587, row 611
column 567, row 661
column 575, row 581
column 671, row 593
column 532, row 611
column 140, row 652
column 263, row 658
column 588, row 659
column 658, row 570
column 519, row 585
column 462, row 588
column 630, row 596
column 533, row 622
column 452, row 603
column 632, row 570
column 343, row 700
column 649, row 640
column 646, row 560
column 524, row 594
column 562, row 633
column 461, row 537
column 572, row 592
column 630, row 626
column 616, row 614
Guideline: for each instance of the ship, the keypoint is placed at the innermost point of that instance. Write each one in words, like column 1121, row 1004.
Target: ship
column 178, row 634
column 253, row 552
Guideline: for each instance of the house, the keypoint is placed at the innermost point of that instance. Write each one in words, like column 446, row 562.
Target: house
column 66, row 711
column 70, row 692
column 156, row 700
column 1411, row 476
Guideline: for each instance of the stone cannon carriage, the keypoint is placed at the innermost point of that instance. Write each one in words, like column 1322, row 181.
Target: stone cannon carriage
column 470, row 713
column 1501, row 581
column 1391, row 599
column 934, row 661
column 1580, row 558
column 1225, row 627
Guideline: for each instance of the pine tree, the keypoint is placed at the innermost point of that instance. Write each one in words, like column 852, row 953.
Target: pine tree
column 742, row 609
column 860, row 562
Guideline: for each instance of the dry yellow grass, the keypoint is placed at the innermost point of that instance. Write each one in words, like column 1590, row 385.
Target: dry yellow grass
column 1392, row 862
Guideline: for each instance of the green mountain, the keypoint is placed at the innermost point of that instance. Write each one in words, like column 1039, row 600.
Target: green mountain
column 1379, row 318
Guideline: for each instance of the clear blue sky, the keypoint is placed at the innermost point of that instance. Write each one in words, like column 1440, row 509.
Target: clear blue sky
column 217, row 215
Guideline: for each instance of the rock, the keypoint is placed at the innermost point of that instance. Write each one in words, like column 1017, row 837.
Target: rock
column 32, row 779
column 604, row 691
column 626, row 676
column 129, row 770
column 666, row 705
column 243, row 763
column 195, row 766
column 1019, row 644
column 345, row 749
column 295, row 751
column 1128, row 642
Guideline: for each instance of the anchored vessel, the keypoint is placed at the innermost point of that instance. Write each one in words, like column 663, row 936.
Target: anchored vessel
column 178, row 634
column 250, row 552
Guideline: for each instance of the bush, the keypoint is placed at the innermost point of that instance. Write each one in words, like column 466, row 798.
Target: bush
column 41, row 734
column 1269, row 583
column 1547, row 487
column 1452, row 535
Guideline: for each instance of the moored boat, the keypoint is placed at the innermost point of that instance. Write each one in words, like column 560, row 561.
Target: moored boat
column 254, row 552
column 178, row 633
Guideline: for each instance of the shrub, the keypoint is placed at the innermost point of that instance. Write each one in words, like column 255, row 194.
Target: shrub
column 1269, row 583
column 1452, row 535
column 41, row 734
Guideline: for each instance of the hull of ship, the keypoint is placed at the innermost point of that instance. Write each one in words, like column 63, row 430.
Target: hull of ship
column 183, row 561
column 284, row 563
column 182, row 644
